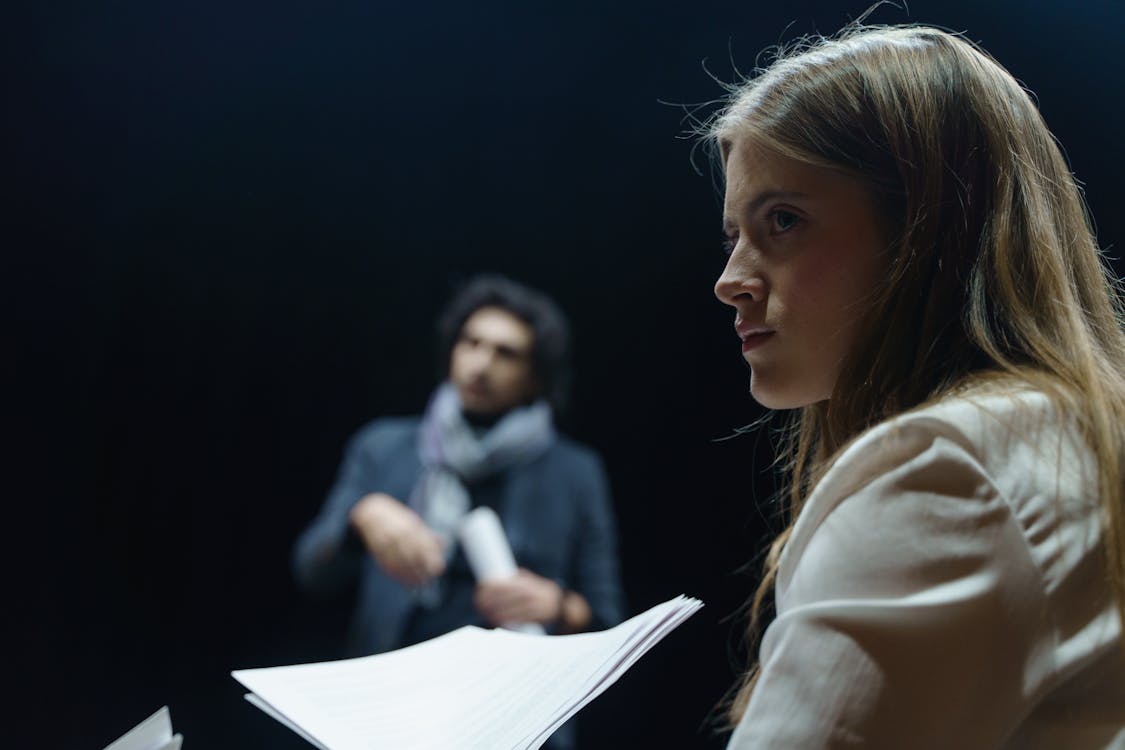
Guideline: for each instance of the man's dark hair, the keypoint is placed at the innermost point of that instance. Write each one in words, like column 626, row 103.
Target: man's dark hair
column 550, row 352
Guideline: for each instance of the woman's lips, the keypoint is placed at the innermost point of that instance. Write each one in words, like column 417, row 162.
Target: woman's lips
column 752, row 335
column 754, row 340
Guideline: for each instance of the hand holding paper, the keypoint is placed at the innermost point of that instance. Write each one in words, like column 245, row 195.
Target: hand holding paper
column 489, row 555
column 523, row 598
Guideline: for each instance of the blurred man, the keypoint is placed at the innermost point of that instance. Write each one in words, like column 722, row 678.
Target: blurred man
column 486, row 439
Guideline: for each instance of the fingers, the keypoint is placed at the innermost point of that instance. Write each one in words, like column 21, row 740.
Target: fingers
column 401, row 543
column 495, row 605
column 411, row 556
column 525, row 597
column 497, row 599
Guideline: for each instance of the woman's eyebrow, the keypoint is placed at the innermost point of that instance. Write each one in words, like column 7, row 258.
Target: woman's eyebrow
column 752, row 205
column 756, row 202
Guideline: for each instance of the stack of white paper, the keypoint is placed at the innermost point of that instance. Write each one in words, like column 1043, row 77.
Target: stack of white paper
column 154, row 733
column 472, row 688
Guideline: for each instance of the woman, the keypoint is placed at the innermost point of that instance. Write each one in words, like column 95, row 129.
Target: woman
column 915, row 276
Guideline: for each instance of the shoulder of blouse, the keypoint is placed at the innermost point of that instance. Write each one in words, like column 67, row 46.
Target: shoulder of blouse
column 1014, row 438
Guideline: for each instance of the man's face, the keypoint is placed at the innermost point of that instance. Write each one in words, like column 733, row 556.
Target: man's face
column 491, row 362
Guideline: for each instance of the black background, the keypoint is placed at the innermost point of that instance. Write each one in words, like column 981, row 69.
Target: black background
column 229, row 229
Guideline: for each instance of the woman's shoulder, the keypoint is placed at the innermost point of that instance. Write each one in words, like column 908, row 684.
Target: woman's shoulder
column 976, row 451
column 997, row 429
column 978, row 414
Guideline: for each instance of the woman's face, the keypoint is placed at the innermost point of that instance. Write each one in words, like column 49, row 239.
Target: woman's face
column 805, row 245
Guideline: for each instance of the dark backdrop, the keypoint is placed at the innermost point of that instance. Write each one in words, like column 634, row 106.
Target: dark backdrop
column 228, row 229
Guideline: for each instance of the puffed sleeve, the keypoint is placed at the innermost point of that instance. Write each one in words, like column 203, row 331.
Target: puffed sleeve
column 910, row 611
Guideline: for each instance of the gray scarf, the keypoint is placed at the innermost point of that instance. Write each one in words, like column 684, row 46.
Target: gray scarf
column 453, row 453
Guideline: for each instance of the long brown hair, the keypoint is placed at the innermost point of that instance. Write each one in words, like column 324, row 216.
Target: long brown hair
column 993, row 270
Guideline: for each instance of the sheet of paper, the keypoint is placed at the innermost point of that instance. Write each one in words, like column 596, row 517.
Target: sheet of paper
column 154, row 733
column 255, row 700
column 472, row 688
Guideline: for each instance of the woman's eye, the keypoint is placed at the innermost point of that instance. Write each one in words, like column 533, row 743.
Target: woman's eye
column 783, row 220
column 729, row 244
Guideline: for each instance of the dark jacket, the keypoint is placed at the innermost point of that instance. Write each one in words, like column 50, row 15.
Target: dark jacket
column 556, row 511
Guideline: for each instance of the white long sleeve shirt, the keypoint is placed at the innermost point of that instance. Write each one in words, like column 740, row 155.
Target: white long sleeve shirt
column 944, row 587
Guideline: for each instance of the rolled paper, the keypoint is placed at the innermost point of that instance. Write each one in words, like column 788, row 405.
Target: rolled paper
column 489, row 554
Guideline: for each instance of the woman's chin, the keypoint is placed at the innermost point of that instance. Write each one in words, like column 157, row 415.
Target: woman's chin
column 781, row 398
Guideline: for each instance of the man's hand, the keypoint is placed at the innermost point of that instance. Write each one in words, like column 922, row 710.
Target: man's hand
column 399, row 540
column 525, row 597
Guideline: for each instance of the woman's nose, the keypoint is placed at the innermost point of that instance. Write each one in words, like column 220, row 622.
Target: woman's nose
column 739, row 281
